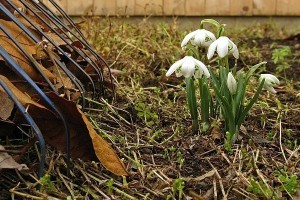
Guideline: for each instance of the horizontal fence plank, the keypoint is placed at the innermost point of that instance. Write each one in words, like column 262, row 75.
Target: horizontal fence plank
column 288, row 7
column 104, row 7
column 264, row 8
column 195, row 7
column 149, row 7
column 241, row 7
column 180, row 7
column 125, row 7
column 174, row 7
column 81, row 7
column 217, row 8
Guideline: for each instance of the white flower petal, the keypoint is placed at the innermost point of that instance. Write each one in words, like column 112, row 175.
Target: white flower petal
column 174, row 67
column 188, row 67
column 199, row 38
column 222, row 48
column 270, row 88
column 202, row 68
column 234, row 50
column 236, row 54
column 270, row 80
column 211, row 49
column 210, row 35
column 187, row 38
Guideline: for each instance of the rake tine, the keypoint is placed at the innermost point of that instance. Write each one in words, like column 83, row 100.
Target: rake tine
column 36, row 40
column 53, row 43
column 82, row 39
column 33, row 125
column 17, row 69
column 62, row 12
column 33, row 62
column 81, row 53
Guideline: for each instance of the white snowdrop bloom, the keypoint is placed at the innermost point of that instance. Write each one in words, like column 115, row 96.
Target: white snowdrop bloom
column 200, row 37
column 188, row 67
column 231, row 83
column 270, row 81
column 224, row 46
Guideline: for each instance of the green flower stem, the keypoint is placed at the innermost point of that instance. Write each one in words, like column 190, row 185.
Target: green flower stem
column 226, row 64
column 204, row 103
column 192, row 103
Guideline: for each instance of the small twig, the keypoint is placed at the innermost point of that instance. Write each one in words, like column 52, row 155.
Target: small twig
column 65, row 183
column 83, row 173
column 215, row 189
column 280, row 143
column 247, row 197
column 23, row 195
column 100, row 192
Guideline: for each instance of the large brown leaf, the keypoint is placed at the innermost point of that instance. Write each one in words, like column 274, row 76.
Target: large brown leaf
column 19, row 57
column 85, row 142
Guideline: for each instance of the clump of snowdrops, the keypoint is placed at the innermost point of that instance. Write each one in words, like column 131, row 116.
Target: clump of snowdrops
column 222, row 88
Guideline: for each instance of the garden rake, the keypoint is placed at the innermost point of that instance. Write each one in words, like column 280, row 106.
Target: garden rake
column 85, row 74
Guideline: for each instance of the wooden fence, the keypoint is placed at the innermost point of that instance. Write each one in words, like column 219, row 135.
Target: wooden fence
column 181, row 7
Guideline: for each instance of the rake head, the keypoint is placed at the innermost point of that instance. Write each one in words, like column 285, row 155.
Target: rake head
column 56, row 46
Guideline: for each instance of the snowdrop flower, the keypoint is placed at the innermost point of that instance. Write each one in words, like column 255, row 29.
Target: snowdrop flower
column 224, row 46
column 200, row 37
column 188, row 66
column 270, row 80
column 231, row 83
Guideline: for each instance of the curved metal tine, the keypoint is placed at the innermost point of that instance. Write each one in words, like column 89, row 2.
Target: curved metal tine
column 62, row 12
column 53, row 43
column 82, row 39
column 36, row 40
column 32, row 61
column 33, row 125
column 17, row 69
column 81, row 53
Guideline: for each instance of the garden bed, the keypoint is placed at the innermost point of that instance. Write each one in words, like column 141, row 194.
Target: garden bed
column 149, row 126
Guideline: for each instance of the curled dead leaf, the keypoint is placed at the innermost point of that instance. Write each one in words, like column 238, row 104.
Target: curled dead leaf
column 7, row 162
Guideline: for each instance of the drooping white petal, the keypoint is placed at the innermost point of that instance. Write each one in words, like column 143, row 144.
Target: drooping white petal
column 270, row 88
column 210, row 35
column 211, row 49
column 202, row 68
column 231, row 83
column 236, row 53
column 199, row 38
column 222, row 47
column 188, row 67
column 174, row 67
column 187, row 38
column 270, row 80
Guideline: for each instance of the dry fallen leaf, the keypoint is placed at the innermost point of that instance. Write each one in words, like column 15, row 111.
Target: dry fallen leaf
column 7, row 162
column 6, row 107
